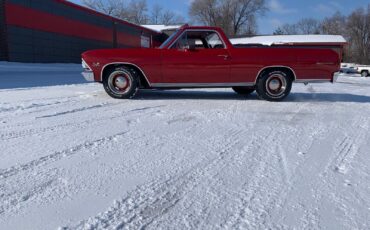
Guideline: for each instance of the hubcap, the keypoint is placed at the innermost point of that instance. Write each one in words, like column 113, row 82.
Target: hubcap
column 276, row 85
column 120, row 82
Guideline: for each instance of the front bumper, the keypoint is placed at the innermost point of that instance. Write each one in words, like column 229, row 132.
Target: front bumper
column 88, row 75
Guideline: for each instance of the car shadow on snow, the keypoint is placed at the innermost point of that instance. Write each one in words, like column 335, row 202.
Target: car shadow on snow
column 190, row 95
column 327, row 97
column 225, row 95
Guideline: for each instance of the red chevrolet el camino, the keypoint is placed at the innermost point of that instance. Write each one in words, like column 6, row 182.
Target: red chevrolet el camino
column 203, row 57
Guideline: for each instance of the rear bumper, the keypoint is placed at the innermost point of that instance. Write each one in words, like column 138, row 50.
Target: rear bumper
column 88, row 75
column 335, row 78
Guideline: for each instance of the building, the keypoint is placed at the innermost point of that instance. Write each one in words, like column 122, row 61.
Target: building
column 45, row 31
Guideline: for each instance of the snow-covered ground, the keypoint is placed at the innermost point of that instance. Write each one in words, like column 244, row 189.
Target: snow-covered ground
column 71, row 157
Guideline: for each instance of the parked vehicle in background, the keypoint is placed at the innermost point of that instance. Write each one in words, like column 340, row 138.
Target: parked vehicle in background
column 348, row 65
column 364, row 70
column 203, row 57
column 348, row 68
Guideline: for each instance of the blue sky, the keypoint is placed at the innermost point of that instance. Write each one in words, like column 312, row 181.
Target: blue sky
column 280, row 11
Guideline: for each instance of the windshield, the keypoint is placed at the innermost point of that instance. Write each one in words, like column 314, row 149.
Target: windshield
column 164, row 44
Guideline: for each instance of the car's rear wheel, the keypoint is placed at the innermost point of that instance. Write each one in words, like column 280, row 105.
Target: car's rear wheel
column 243, row 90
column 274, row 85
column 364, row 73
column 121, row 83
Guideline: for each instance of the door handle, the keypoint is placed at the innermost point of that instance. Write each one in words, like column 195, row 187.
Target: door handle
column 225, row 56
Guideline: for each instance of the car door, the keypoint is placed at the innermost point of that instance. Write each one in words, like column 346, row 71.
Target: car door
column 193, row 60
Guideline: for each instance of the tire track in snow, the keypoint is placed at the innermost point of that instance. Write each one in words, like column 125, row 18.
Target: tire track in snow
column 127, row 214
column 254, row 214
column 233, row 160
column 76, row 125
column 5, row 173
column 13, row 201
column 148, row 202
column 83, row 109
column 247, row 213
column 5, row 109
column 25, row 105
column 321, row 163
column 347, row 149
column 45, row 189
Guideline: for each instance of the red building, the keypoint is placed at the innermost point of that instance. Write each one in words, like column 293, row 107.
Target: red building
column 59, row 31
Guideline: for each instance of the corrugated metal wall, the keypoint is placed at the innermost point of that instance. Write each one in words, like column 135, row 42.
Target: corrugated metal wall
column 3, row 37
column 59, row 31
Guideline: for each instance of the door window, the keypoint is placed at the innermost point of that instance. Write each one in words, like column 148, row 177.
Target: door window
column 199, row 40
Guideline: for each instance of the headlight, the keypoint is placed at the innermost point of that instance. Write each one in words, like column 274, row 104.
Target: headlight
column 85, row 66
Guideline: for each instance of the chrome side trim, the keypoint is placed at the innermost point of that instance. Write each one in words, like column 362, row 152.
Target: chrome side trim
column 306, row 81
column 275, row 66
column 326, row 63
column 123, row 63
column 200, row 85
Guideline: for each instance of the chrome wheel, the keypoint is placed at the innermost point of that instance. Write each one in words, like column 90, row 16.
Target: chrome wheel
column 364, row 74
column 120, row 81
column 276, row 85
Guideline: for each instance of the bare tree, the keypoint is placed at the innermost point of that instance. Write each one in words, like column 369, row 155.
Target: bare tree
column 137, row 12
column 166, row 17
column 206, row 12
column 287, row 29
column 156, row 14
column 309, row 26
column 110, row 7
column 170, row 17
column 251, row 26
column 334, row 25
column 130, row 10
column 358, row 27
column 243, row 14
column 304, row 26
column 234, row 16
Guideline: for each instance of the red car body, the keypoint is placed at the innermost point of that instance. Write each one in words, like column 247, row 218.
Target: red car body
column 227, row 67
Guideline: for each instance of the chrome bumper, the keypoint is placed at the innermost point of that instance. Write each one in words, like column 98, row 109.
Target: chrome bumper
column 88, row 75
column 335, row 78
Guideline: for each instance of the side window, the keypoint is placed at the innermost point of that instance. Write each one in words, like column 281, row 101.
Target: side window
column 199, row 40
column 214, row 41
column 181, row 42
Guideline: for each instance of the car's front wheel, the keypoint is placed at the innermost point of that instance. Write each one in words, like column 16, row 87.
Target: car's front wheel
column 364, row 73
column 121, row 83
column 274, row 85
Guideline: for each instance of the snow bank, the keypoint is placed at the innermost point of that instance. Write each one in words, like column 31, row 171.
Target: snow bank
column 285, row 39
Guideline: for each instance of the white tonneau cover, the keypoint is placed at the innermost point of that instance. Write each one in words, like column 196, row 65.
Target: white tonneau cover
column 290, row 39
column 160, row 28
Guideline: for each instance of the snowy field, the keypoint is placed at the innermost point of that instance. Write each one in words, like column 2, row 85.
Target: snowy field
column 73, row 158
